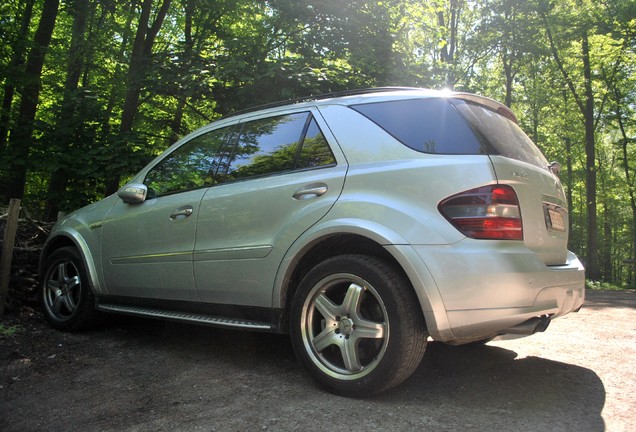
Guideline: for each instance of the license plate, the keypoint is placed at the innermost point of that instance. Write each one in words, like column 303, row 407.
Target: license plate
column 556, row 220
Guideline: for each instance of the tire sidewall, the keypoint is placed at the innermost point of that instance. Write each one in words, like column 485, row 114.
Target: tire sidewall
column 384, row 281
column 86, row 303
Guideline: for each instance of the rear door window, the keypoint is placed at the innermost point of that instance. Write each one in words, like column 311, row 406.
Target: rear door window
column 429, row 125
column 279, row 144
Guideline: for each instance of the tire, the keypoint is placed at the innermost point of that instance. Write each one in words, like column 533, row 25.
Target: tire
column 66, row 296
column 357, row 326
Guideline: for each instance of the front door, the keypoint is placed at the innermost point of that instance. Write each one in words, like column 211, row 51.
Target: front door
column 147, row 248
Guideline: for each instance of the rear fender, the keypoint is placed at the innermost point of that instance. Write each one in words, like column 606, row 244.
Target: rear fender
column 420, row 278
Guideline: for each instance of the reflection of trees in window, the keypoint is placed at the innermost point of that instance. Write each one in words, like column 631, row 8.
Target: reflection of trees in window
column 429, row 146
column 266, row 146
column 315, row 151
column 191, row 166
column 271, row 145
column 280, row 160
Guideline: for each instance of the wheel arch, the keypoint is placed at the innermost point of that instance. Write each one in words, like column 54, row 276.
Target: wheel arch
column 72, row 239
column 358, row 238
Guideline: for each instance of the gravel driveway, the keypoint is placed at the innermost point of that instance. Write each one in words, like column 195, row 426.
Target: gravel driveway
column 138, row 375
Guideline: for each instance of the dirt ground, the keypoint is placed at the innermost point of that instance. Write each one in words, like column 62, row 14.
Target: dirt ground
column 139, row 375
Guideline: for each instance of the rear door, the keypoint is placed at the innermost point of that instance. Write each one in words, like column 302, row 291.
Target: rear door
column 283, row 176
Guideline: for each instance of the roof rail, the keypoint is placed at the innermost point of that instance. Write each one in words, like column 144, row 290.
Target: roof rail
column 342, row 93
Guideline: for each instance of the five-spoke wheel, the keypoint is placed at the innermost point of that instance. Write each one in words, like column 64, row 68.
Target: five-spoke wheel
column 344, row 326
column 67, row 300
column 355, row 324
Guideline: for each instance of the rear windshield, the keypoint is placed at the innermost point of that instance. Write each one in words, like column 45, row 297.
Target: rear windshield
column 501, row 134
column 426, row 125
column 452, row 126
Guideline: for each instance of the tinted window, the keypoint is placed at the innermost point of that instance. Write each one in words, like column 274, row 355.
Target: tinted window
column 502, row 134
column 426, row 125
column 315, row 151
column 271, row 145
column 191, row 166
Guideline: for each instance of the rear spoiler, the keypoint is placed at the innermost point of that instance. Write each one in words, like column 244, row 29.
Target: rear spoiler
column 489, row 103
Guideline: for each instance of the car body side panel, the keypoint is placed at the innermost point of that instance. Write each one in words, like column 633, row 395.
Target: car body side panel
column 84, row 229
column 147, row 252
column 245, row 228
column 390, row 194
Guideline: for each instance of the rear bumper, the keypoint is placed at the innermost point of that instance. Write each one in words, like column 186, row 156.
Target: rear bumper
column 553, row 302
column 486, row 291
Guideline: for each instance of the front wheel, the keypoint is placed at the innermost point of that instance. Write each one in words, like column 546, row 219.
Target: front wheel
column 357, row 326
column 67, row 300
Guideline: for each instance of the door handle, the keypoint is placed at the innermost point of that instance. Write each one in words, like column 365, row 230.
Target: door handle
column 310, row 191
column 181, row 213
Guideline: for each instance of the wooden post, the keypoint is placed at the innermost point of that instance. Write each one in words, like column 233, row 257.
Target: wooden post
column 7, row 250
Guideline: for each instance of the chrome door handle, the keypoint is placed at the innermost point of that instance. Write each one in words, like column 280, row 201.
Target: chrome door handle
column 310, row 191
column 181, row 213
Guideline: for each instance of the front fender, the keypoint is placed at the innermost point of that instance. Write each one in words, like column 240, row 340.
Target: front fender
column 66, row 237
column 83, row 229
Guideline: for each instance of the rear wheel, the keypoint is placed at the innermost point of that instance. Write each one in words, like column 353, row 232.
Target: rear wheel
column 356, row 325
column 67, row 300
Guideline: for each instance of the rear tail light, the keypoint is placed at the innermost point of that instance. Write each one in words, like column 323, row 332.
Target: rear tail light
column 489, row 212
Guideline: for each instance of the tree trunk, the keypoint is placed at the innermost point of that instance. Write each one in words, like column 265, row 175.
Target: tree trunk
column 587, row 110
column 629, row 179
column 21, row 136
column 569, row 180
column 69, row 106
column 447, row 52
column 118, row 75
column 590, row 166
column 139, row 62
column 507, row 65
column 17, row 60
column 175, row 124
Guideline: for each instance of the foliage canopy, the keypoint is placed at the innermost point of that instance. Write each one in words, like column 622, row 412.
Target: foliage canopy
column 91, row 90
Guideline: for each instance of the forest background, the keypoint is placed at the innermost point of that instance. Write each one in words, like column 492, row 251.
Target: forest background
column 92, row 89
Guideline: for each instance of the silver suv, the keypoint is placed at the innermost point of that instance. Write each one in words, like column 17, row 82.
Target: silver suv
column 361, row 224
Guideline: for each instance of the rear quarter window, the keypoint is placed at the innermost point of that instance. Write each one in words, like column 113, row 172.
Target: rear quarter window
column 429, row 125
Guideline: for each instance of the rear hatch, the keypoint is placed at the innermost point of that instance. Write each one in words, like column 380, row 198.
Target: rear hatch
column 519, row 163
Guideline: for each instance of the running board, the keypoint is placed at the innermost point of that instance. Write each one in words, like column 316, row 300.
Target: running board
column 185, row 317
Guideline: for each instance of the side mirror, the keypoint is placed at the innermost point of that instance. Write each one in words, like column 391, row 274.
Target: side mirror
column 555, row 168
column 133, row 193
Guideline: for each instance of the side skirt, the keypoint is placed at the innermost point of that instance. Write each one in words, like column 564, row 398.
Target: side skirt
column 225, row 316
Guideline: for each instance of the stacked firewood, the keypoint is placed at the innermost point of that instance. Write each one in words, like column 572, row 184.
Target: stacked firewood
column 23, row 282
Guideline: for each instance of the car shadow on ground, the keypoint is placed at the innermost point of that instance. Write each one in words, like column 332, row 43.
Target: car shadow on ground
column 480, row 387
column 147, row 375
column 492, row 386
